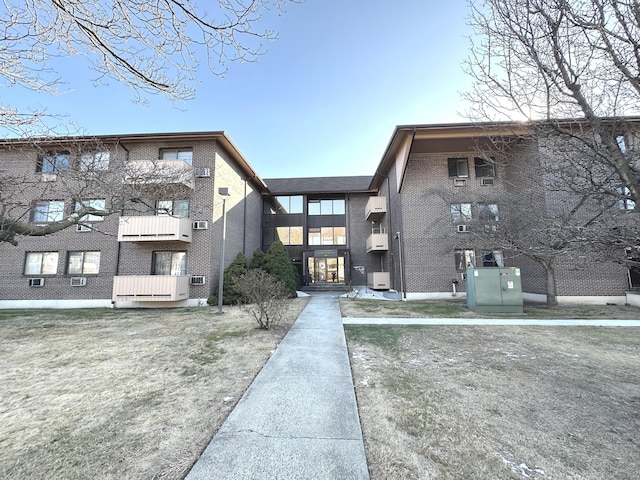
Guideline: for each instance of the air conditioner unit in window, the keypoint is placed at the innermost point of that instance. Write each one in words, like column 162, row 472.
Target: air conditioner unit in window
column 36, row 282
column 200, row 225
column 459, row 182
column 197, row 279
column 78, row 281
column 486, row 181
column 202, row 172
column 83, row 227
column 464, row 228
column 49, row 177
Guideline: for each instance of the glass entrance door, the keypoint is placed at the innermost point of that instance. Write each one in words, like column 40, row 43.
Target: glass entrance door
column 326, row 270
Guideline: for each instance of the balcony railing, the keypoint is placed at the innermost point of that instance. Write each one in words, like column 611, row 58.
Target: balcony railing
column 154, row 228
column 378, row 280
column 148, row 172
column 378, row 242
column 376, row 208
column 150, row 288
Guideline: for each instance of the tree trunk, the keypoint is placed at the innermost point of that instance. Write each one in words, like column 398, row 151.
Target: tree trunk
column 552, row 294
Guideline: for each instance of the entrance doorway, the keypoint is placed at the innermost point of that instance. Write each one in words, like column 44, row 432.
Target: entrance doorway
column 326, row 270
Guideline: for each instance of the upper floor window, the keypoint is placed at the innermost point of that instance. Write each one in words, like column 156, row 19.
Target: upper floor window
column 464, row 258
column 288, row 235
column 175, row 208
column 83, row 263
column 488, row 212
column 47, row 211
column 97, row 204
column 458, row 167
column 41, row 263
column 327, row 207
column 328, row 236
column 284, row 204
column 622, row 144
column 184, row 154
column 484, row 167
column 53, row 162
column 94, row 161
column 625, row 203
column 169, row 263
column 460, row 212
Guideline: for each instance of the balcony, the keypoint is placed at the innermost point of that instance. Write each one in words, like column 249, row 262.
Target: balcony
column 378, row 280
column 160, row 172
column 375, row 209
column 150, row 288
column 154, row 228
column 378, row 241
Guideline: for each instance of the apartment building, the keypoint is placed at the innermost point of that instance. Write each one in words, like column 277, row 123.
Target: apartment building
column 161, row 247
column 407, row 228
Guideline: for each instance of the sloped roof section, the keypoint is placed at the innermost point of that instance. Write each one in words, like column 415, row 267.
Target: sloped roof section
column 311, row 185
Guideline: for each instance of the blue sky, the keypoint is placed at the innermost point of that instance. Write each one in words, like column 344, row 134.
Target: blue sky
column 323, row 101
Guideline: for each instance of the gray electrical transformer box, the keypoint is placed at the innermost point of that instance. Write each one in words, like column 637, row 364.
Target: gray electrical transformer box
column 494, row 290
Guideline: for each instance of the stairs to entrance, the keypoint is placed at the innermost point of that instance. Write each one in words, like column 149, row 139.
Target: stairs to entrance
column 325, row 287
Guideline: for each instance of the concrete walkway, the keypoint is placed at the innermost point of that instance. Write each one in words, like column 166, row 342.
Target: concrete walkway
column 298, row 419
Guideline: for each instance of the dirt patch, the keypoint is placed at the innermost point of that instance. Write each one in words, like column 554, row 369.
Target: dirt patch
column 117, row 394
column 498, row 402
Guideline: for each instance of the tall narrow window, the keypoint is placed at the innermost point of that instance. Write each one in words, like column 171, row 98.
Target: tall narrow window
column 625, row 203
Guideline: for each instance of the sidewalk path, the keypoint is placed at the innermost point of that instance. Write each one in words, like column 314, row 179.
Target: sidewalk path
column 298, row 419
column 528, row 322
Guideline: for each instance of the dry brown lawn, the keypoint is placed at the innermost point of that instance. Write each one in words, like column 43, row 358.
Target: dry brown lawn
column 471, row 402
column 122, row 394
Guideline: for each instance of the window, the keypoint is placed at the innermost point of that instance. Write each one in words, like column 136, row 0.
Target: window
column 41, row 263
column 464, row 258
column 289, row 235
column 493, row 258
column 175, row 208
column 184, row 154
column 285, row 204
column 47, row 212
column 625, row 203
column 460, row 212
column 94, row 161
column 327, row 207
column 622, row 144
column 488, row 212
column 53, row 162
column 484, row 167
column 83, row 263
column 169, row 263
column 98, row 204
column 458, row 167
column 328, row 236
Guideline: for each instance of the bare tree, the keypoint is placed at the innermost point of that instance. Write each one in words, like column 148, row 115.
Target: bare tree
column 152, row 47
column 77, row 181
column 544, row 60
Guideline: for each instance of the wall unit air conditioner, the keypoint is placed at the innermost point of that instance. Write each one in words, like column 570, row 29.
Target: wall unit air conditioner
column 202, row 172
column 197, row 280
column 459, row 182
column 464, row 228
column 200, row 225
column 486, row 181
column 78, row 281
column 36, row 282
column 49, row 177
column 83, row 227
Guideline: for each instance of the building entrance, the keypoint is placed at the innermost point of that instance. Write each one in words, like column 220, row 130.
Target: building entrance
column 326, row 270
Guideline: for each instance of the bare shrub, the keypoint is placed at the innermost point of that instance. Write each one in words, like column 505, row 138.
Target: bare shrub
column 266, row 297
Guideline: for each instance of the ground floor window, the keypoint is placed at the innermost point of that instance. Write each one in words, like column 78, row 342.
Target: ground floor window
column 464, row 258
column 493, row 258
column 83, row 263
column 41, row 263
column 169, row 263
